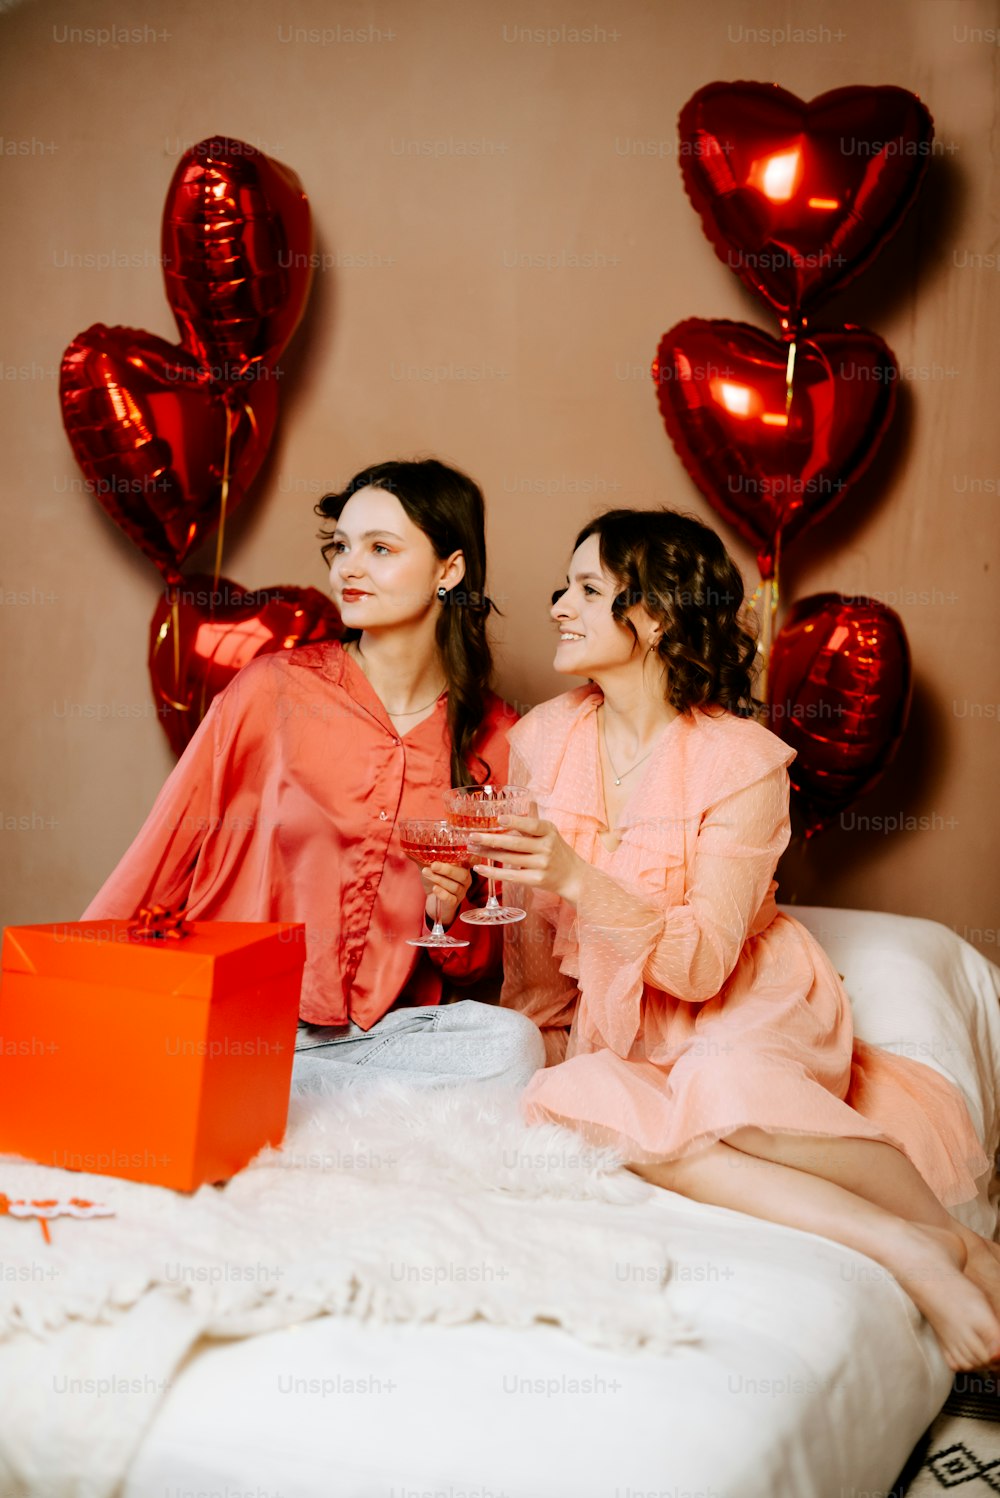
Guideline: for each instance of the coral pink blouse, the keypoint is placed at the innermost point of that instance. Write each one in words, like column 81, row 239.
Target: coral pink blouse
column 284, row 807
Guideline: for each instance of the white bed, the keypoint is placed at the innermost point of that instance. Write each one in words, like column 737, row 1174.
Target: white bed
column 775, row 1365
column 814, row 1377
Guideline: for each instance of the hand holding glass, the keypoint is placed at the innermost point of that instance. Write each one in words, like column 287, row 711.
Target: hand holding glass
column 428, row 840
column 482, row 807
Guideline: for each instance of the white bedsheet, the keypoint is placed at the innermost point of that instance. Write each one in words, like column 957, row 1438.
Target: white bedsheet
column 814, row 1380
column 814, row 1377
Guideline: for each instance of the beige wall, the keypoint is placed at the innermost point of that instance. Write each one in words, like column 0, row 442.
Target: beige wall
column 436, row 153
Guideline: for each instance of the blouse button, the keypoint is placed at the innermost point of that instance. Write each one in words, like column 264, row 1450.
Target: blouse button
column 397, row 742
column 383, row 816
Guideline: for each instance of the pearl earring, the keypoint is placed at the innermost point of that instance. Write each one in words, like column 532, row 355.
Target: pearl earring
column 442, row 592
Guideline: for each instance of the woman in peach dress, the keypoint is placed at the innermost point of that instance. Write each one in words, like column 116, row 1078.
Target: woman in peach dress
column 686, row 1019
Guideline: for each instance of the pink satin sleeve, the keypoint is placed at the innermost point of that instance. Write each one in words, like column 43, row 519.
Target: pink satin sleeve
column 160, row 862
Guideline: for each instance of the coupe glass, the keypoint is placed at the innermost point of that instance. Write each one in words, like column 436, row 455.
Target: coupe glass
column 482, row 807
column 428, row 840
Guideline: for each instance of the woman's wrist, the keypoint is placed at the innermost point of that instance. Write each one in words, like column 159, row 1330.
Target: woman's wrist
column 572, row 889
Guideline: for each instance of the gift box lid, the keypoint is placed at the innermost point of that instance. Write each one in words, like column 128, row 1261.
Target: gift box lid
column 213, row 955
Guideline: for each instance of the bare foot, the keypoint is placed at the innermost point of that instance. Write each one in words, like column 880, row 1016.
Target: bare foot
column 972, row 1239
column 982, row 1263
column 928, row 1262
column 951, row 1240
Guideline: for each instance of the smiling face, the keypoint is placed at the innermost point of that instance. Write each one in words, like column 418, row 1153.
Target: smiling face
column 384, row 570
column 591, row 641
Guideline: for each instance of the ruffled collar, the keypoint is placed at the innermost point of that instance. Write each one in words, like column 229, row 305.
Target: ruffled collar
column 700, row 758
column 576, row 781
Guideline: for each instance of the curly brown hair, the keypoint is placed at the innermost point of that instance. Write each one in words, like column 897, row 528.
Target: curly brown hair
column 680, row 571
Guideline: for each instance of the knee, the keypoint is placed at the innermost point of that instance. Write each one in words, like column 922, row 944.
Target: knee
column 665, row 1173
column 516, row 1049
column 748, row 1138
column 526, row 1047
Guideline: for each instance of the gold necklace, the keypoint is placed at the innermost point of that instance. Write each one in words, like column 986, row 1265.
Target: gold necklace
column 621, row 777
column 410, row 712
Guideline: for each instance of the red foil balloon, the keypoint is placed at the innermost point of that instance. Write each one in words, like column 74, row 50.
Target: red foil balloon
column 798, row 198
column 237, row 255
column 839, row 694
column 149, row 433
column 769, row 465
column 199, row 640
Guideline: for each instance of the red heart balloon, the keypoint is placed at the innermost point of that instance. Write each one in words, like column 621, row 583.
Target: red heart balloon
column 839, row 694
column 199, row 640
column 770, row 467
column 149, row 433
column 798, row 198
column 237, row 255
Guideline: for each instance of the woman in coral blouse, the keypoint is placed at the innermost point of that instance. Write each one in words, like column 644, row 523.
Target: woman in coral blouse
column 687, row 1020
column 285, row 804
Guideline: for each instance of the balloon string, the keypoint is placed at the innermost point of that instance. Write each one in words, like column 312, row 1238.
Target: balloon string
column 766, row 592
column 181, row 707
column 789, row 375
column 175, row 626
column 223, row 498
column 756, row 604
column 765, row 645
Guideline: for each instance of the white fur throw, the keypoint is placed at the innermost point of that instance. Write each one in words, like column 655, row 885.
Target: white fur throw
column 386, row 1202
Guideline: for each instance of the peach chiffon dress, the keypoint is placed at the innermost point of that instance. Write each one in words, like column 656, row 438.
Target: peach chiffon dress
column 677, row 1002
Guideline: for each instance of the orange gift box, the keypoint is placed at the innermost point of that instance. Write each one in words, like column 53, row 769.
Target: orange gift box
column 168, row 1061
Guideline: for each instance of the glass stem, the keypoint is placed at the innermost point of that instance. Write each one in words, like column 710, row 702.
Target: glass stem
column 438, row 928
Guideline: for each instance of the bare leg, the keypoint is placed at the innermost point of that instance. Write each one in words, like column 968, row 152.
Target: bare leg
column 883, row 1175
column 927, row 1261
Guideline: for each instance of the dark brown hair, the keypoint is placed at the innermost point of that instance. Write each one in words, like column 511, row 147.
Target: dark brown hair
column 448, row 507
column 680, row 571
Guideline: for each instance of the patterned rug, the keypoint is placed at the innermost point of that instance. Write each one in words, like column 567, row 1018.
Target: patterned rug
column 961, row 1452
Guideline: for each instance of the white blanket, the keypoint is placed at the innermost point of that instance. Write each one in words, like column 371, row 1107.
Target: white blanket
column 384, row 1203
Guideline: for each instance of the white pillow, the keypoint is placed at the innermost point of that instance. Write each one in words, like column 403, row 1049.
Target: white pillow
column 918, row 989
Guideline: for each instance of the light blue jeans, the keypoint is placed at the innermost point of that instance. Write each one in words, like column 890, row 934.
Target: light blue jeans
column 433, row 1045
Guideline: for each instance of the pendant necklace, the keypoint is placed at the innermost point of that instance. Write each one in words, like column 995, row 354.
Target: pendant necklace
column 621, row 777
